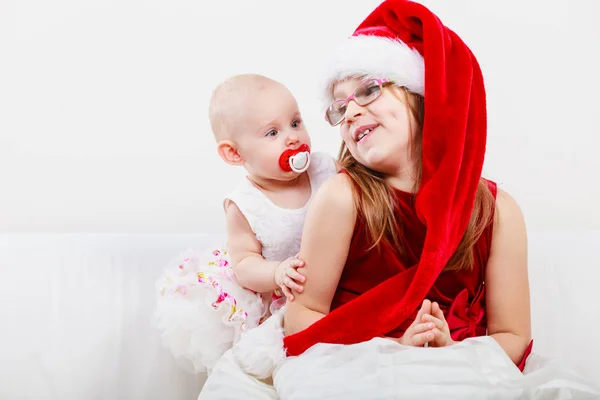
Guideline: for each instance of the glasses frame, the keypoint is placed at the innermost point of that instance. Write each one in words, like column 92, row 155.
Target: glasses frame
column 380, row 82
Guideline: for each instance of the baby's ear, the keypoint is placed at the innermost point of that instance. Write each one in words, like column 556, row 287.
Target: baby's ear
column 229, row 153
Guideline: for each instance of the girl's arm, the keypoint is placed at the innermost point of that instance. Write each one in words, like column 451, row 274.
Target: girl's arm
column 326, row 240
column 507, row 281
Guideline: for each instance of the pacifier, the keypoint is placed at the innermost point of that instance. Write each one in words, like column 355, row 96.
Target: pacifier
column 295, row 160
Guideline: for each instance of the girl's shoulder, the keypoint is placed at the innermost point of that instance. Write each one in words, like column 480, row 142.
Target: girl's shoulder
column 335, row 195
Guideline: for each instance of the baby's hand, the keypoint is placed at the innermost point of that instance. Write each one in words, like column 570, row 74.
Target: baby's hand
column 288, row 278
column 429, row 327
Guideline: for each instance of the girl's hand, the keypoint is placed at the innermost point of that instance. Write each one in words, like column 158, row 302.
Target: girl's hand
column 429, row 328
column 419, row 332
column 442, row 330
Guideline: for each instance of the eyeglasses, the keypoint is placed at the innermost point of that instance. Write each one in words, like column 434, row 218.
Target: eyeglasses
column 366, row 93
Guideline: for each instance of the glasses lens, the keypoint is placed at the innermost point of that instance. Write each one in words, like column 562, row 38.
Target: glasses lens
column 367, row 92
column 335, row 113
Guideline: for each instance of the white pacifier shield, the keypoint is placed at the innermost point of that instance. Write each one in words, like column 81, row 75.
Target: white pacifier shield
column 300, row 162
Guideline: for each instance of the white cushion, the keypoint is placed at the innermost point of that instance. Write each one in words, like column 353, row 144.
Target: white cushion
column 76, row 312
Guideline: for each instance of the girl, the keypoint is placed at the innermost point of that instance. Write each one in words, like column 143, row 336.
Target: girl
column 408, row 246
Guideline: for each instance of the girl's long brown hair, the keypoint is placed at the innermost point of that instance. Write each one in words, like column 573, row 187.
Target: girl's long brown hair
column 372, row 194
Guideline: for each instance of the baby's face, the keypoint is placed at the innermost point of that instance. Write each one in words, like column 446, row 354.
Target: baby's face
column 269, row 124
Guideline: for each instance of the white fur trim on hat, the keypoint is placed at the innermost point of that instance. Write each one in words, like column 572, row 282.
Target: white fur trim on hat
column 378, row 57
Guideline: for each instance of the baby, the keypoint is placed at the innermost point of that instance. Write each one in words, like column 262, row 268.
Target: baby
column 206, row 301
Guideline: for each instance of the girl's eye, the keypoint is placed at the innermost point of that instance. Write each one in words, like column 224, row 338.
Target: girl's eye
column 271, row 133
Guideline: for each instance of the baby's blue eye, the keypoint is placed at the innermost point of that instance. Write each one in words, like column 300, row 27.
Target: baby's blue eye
column 271, row 133
column 296, row 123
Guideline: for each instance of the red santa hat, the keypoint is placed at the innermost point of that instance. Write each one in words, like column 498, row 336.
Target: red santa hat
column 375, row 52
column 405, row 42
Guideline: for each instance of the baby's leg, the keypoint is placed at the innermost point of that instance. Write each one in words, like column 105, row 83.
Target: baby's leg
column 228, row 381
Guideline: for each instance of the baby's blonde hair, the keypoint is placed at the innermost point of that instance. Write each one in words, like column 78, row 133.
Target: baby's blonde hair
column 226, row 103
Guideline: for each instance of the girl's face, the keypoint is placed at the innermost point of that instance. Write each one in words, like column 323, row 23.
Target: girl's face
column 378, row 135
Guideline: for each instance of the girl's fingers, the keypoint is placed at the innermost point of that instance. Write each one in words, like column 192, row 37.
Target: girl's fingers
column 441, row 338
column 436, row 311
column 423, row 327
column 421, row 338
column 436, row 321
column 425, row 309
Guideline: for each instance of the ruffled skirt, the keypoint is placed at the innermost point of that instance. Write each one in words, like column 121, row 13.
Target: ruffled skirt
column 202, row 310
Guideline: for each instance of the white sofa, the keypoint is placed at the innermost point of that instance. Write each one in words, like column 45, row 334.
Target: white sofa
column 76, row 312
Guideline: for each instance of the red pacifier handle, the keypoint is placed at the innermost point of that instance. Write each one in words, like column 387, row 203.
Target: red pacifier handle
column 296, row 160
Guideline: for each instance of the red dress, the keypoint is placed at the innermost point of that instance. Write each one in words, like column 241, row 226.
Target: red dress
column 461, row 295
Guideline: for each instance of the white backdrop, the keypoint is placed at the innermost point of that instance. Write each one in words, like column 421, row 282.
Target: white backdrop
column 103, row 104
column 104, row 129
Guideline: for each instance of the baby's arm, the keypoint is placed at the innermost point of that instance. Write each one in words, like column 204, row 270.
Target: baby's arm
column 251, row 269
column 326, row 240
